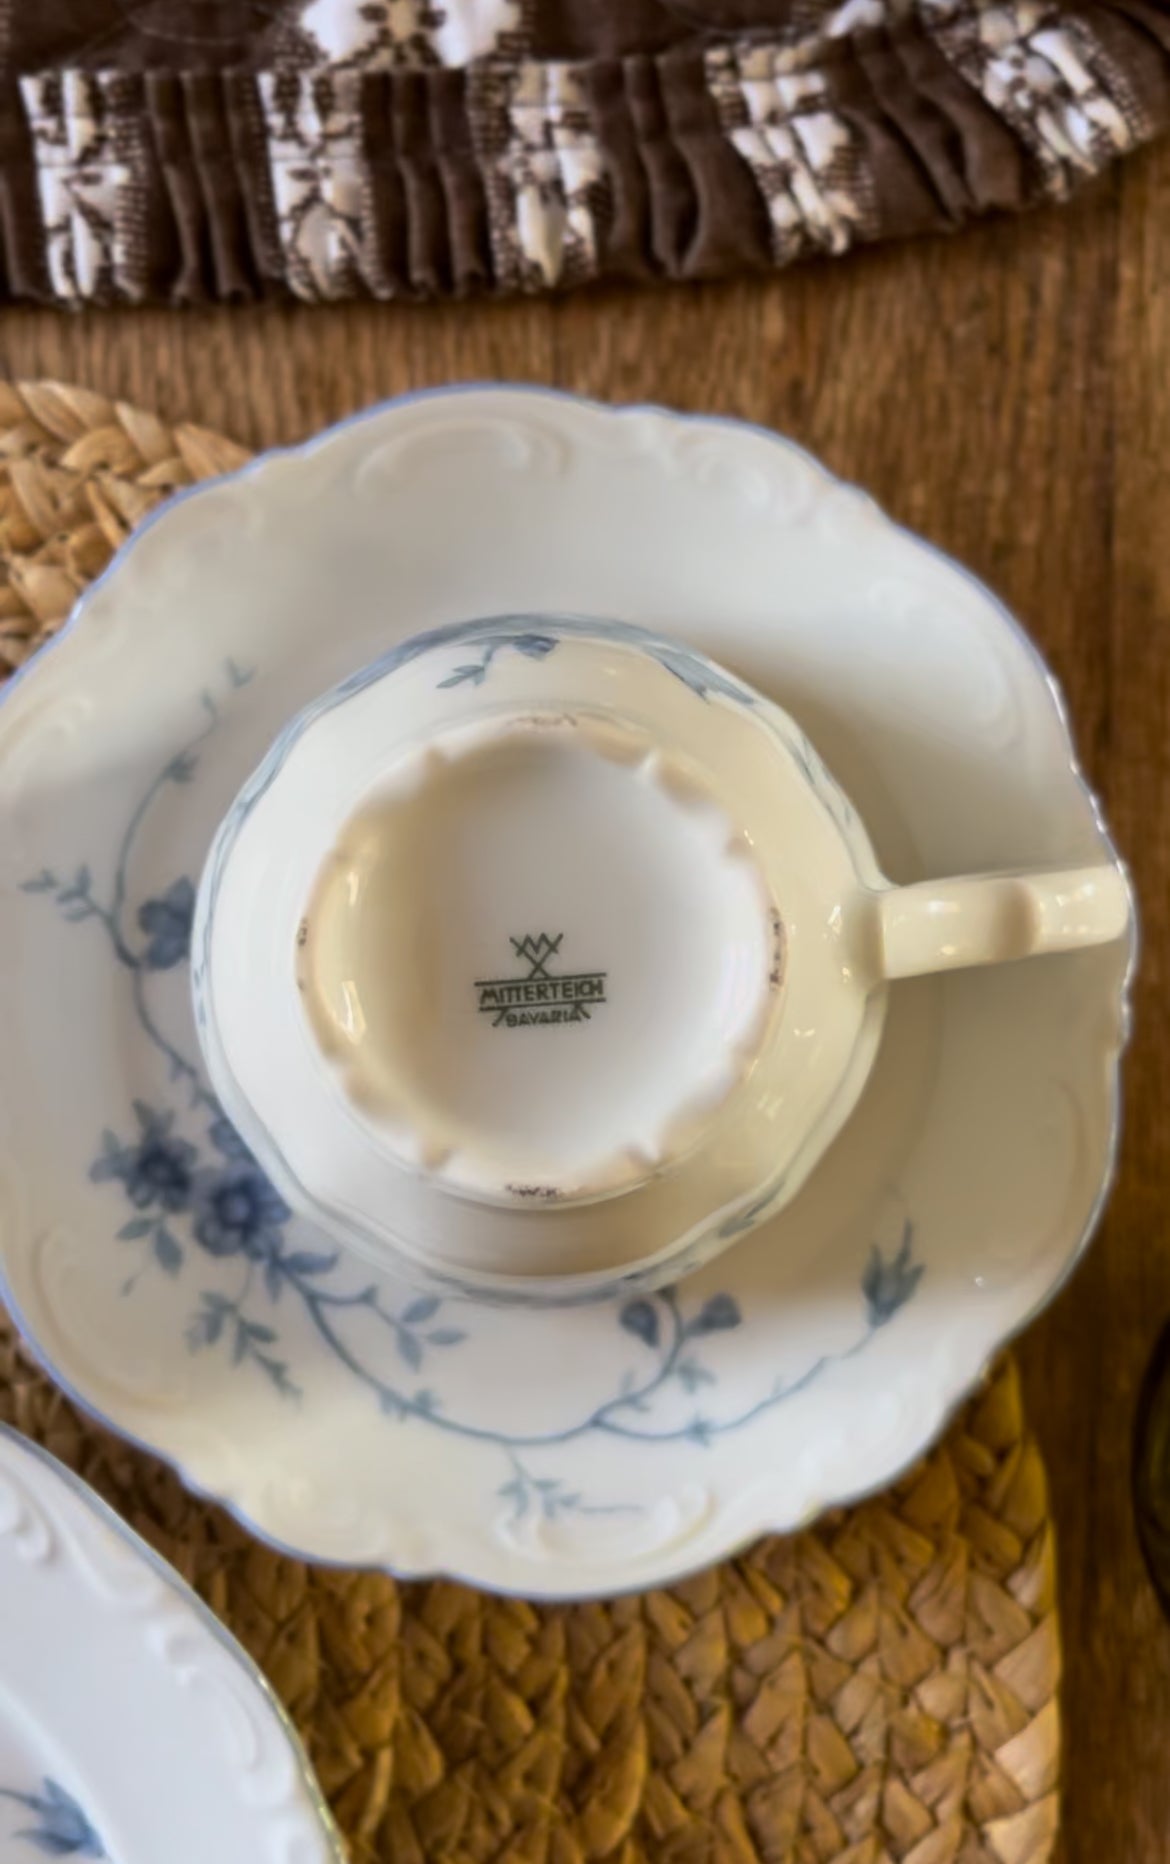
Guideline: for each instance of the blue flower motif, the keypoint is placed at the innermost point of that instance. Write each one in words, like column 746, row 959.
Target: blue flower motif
column 228, row 1143
column 717, row 1315
column 641, row 1319
column 157, row 1171
column 474, row 672
column 237, row 1212
column 887, row 1286
column 699, row 674
column 62, row 1829
column 535, row 646
column 166, row 922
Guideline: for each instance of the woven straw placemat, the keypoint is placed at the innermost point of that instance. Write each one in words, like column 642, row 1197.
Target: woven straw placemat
column 880, row 1688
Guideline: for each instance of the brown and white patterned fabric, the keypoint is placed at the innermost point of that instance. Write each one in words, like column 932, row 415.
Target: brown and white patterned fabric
column 187, row 150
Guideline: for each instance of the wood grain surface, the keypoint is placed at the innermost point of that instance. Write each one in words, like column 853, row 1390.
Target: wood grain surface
column 1008, row 394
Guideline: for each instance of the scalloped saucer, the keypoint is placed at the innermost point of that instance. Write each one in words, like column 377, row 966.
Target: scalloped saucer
column 582, row 1450
column 145, row 1686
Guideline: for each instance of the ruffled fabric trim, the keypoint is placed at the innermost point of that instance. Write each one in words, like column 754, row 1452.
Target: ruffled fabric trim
column 384, row 178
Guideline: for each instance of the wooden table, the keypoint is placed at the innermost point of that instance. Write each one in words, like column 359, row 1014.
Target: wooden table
column 1008, row 394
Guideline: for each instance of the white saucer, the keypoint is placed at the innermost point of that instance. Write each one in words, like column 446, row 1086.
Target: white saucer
column 592, row 1449
column 148, row 1735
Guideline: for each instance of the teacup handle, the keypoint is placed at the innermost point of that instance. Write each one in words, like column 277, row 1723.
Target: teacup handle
column 945, row 925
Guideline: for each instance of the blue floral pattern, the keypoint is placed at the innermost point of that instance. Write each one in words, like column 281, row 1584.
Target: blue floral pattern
column 198, row 1201
column 62, row 1829
column 696, row 672
column 701, row 675
column 887, row 1286
column 167, row 925
column 474, row 672
column 153, row 1169
column 235, row 1211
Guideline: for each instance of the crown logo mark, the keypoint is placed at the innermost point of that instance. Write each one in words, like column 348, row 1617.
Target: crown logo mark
column 537, row 950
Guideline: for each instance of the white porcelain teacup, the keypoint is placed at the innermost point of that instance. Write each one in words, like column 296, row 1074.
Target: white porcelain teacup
column 544, row 957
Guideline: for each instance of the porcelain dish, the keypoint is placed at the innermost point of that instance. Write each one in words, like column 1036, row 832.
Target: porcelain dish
column 576, row 1450
column 146, row 1686
column 677, row 830
column 643, row 840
